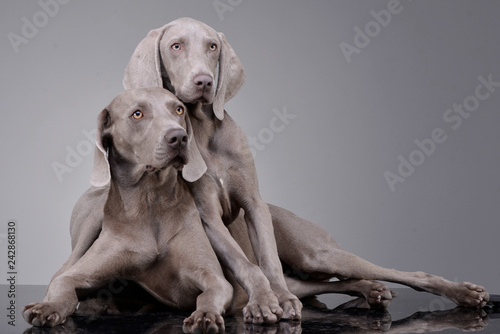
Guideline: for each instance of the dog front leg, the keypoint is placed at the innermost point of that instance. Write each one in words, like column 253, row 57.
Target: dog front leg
column 261, row 233
column 99, row 264
column 211, row 305
column 263, row 306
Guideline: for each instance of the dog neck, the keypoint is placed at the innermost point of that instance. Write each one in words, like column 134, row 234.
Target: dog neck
column 211, row 133
column 134, row 191
column 205, row 123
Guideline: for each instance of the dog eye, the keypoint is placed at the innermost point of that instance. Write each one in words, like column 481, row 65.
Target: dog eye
column 179, row 110
column 213, row 47
column 176, row 46
column 137, row 114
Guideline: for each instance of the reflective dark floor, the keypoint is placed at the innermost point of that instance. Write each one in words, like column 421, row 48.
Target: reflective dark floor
column 409, row 312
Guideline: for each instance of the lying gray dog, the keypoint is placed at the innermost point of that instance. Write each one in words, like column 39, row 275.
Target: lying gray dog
column 149, row 218
column 301, row 245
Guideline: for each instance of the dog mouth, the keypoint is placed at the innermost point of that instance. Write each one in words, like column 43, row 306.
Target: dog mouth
column 202, row 99
column 204, row 96
column 177, row 162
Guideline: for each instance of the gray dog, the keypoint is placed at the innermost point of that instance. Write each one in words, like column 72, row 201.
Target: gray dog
column 149, row 218
column 180, row 56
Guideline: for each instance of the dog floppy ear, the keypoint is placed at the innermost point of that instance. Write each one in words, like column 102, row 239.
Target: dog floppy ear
column 144, row 67
column 196, row 166
column 101, row 174
column 231, row 77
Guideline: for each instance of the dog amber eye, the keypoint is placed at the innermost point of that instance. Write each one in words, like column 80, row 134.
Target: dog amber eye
column 213, row 47
column 137, row 114
column 179, row 110
column 176, row 46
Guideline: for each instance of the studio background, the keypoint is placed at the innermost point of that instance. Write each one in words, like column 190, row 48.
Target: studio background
column 337, row 96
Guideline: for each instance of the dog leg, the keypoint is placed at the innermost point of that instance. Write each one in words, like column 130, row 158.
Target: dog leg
column 264, row 245
column 210, row 306
column 100, row 263
column 263, row 306
column 320, row 256
column 86, row 224
column 376, row 294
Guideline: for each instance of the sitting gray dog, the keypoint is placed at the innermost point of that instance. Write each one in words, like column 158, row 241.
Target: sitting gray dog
column 149, row 217
column 197, row 63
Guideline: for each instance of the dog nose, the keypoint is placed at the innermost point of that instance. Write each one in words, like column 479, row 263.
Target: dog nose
column 176, row 138
column 203, row 81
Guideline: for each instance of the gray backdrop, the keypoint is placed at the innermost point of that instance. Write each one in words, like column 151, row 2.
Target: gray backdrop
column 378, row 120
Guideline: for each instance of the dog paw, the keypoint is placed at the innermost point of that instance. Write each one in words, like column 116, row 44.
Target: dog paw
column 292, row 307
column 263, row 310
column 470, row 295
column 203, row 322
column 376, row 294
column 42, row 315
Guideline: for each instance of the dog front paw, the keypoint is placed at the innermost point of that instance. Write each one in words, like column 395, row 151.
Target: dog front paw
column 263, row 310
column 43, row 315
column 203, row 322
column 292, row 307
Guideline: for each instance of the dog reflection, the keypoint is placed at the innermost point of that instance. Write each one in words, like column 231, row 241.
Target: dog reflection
column 152, row 319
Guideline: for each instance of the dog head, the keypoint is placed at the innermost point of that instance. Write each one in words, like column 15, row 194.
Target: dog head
column 183, row 57
column 144, row 131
